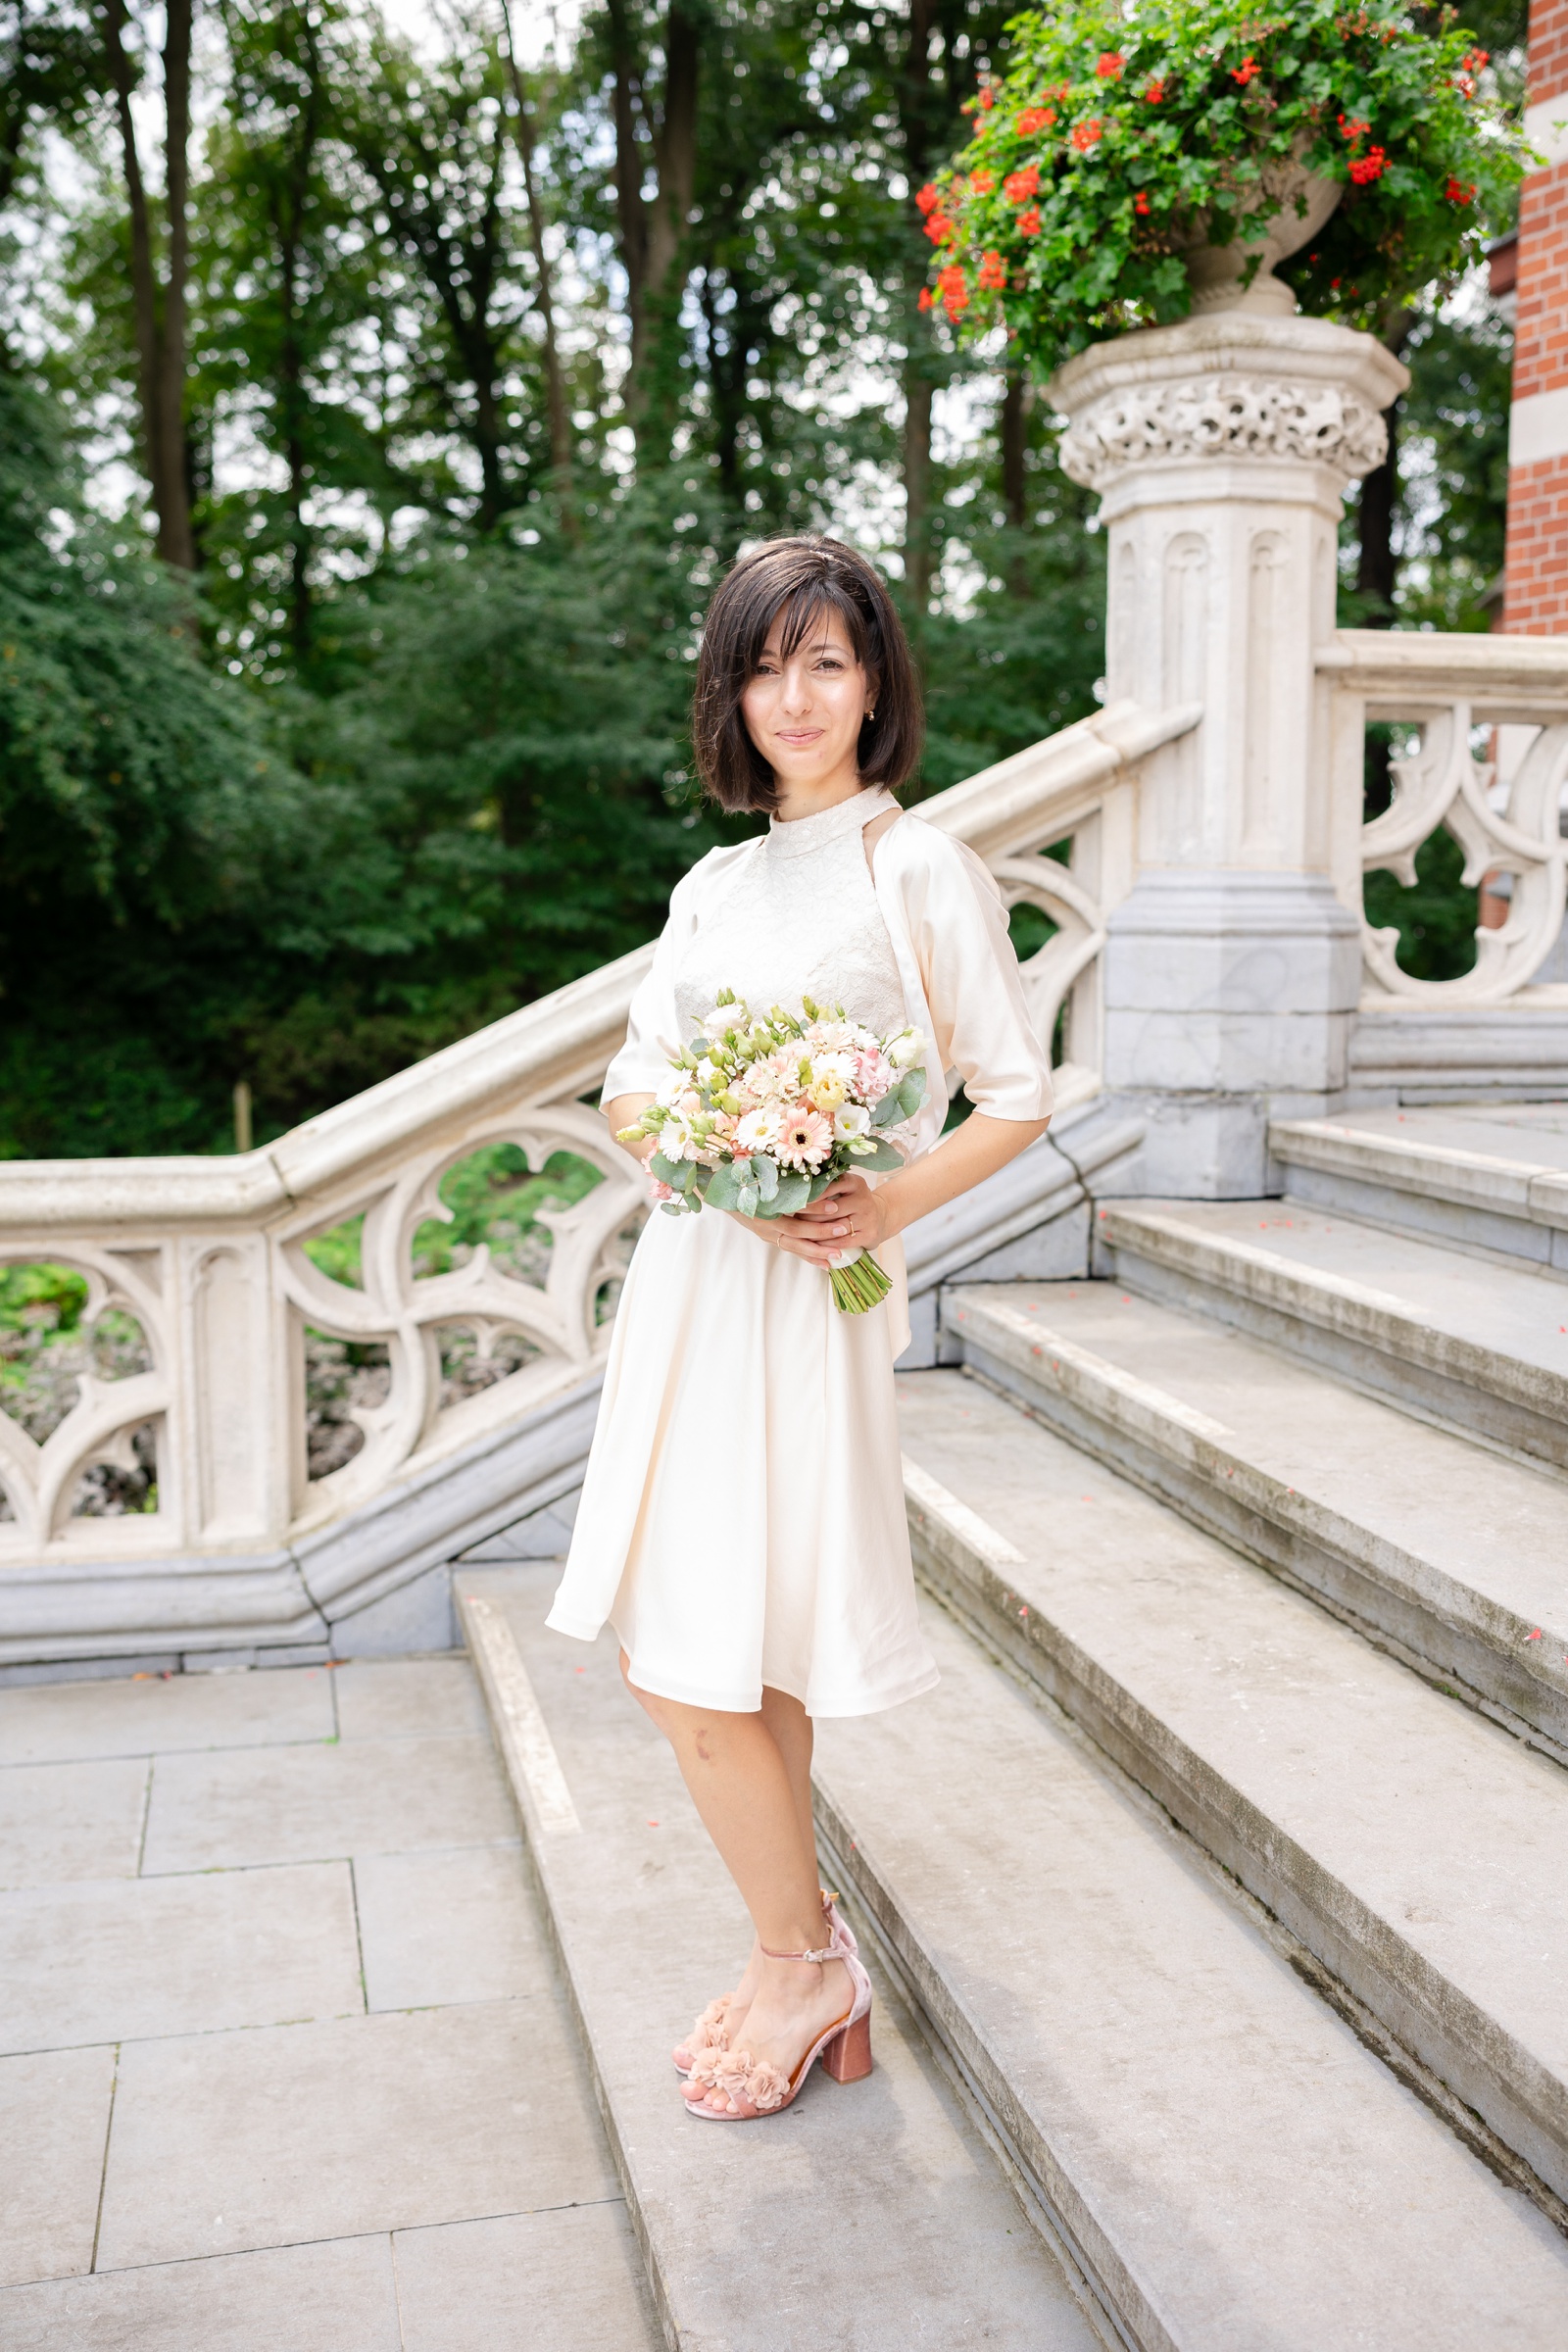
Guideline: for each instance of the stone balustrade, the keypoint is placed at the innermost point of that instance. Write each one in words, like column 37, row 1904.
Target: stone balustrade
column 217, row 1269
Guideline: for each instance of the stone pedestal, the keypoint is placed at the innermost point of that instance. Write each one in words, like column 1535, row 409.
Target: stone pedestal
column 1223, row 448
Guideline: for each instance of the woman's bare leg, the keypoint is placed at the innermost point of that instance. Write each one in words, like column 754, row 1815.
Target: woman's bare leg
column 751, row 1803
column 791, row 1727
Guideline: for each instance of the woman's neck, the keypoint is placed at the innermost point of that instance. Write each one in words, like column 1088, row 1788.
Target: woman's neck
column 811, row 799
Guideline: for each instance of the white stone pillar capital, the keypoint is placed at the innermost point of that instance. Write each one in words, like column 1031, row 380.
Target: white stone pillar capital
column 1235, row 405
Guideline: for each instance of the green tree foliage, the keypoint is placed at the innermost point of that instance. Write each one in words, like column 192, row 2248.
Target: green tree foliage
column 409, row 746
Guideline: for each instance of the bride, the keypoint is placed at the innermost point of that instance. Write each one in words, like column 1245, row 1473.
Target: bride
column 742, row 1523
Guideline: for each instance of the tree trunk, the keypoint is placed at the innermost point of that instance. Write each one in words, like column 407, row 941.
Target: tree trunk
column 554, row 385
column 675, row 149
column 291, row 358
column 175, row 540
column 653, row 233
column 917, row 484
column 629, row 210
column 158, row 312
column 1018, row 399
column 1377, row 565
column 915, row 126
column 1377, row 570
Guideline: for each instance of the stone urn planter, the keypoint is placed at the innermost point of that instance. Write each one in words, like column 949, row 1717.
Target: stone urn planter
column 1217, row 273
column 1122, row 146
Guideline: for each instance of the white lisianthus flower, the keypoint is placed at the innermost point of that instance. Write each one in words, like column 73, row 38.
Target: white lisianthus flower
column 850, row 1122
column 906, row 1049
column 725, row 1017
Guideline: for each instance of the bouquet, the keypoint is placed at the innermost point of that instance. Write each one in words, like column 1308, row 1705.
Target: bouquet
column 761, row 1115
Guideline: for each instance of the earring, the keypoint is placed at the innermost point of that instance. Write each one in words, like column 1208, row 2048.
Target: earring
column 871, row 714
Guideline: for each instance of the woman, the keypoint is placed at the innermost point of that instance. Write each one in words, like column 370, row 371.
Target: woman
column 742, row 1522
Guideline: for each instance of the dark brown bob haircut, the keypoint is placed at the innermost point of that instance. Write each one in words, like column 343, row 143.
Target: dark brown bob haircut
column 794, row 582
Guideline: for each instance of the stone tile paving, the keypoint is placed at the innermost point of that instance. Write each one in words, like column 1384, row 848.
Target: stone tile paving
column 284, row 2064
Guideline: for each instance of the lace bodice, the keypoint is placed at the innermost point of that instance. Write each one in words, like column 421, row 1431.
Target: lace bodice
column 800, row 918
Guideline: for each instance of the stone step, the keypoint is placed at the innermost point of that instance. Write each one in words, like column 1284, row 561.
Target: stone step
column 1230, row 2163
column 872, row 2217
column 1485, row 1178
column 1452, row 1558
column 1470, row 1341
column 1414, row 1848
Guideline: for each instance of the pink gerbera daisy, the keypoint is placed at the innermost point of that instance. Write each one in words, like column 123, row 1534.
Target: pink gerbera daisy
column 808, row 1138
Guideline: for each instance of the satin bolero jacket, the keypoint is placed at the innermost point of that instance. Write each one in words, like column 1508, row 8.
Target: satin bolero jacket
column 949, row 927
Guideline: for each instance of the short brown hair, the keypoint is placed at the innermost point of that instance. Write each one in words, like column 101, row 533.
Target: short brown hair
column 792, row 581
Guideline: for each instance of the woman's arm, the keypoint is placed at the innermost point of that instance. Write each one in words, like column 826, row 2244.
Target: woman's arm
column 625, row 1111
column 854, row 1214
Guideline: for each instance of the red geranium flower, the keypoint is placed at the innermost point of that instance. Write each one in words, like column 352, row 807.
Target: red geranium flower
column 1019, row 186
column 988, row 99
column 981, row 183
column 1459, row 191
column 1029, row 223
column 1087, row 134
column 1369, row 167
column 993, row 273
column 1110, row 65
column 929, row 197
column 1248, row 71
column 939, row 228
column 1033, row 119
column 1140, row 201
column 1154, row 90
column 1353, row 129
column 926, row 299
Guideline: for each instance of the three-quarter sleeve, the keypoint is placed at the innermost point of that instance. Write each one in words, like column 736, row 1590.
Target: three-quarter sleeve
column 959, row 929
column 652, row 1023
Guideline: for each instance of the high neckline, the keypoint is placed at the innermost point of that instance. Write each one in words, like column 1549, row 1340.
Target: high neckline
column 804, row 834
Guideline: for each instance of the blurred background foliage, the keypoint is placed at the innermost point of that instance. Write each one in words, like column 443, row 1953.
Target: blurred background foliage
column 353, row 544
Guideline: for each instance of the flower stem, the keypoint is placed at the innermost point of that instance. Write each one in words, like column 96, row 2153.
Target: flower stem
column 859, row 1285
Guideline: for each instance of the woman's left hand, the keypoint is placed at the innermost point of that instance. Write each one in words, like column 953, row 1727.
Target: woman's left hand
column 850, row 1215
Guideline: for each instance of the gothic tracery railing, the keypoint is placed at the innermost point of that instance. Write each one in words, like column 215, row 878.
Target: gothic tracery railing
column 1447, row 692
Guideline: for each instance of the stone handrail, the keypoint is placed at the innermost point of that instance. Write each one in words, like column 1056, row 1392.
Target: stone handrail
column 1446, row 687
column 210, row 1257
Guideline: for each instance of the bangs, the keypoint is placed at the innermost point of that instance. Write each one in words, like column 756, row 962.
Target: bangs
column 797, row 614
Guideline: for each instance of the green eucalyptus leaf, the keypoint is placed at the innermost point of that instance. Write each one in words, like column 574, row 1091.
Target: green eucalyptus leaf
column 723, row 1188
column 793, row 1191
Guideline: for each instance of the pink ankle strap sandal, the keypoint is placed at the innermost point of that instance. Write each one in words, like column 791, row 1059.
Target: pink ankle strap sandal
column 710, row 2032
column 754, row 2087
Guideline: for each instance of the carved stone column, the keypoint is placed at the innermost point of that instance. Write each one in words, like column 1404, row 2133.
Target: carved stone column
column 1223, row 448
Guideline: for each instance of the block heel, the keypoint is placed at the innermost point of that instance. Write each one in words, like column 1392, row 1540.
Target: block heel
column 848, row 2058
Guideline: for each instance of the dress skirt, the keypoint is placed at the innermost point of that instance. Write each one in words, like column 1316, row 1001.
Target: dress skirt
column 741, row 1520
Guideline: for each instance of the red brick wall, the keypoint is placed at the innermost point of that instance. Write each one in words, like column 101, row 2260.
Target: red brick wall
column 1537, row 593
column 1535, row 600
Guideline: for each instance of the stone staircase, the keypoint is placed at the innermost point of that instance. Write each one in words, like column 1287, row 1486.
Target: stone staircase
column 1217, row 1895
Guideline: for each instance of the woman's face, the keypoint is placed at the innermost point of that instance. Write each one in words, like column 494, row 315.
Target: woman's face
column 804, row 712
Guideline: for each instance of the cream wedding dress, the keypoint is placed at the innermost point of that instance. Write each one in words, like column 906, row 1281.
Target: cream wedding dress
column 742, row 1519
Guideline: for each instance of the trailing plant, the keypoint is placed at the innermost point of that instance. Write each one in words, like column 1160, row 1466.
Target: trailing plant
column 1122, row 139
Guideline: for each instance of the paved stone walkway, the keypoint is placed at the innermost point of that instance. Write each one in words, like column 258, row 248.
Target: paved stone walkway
column 286, row 2066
